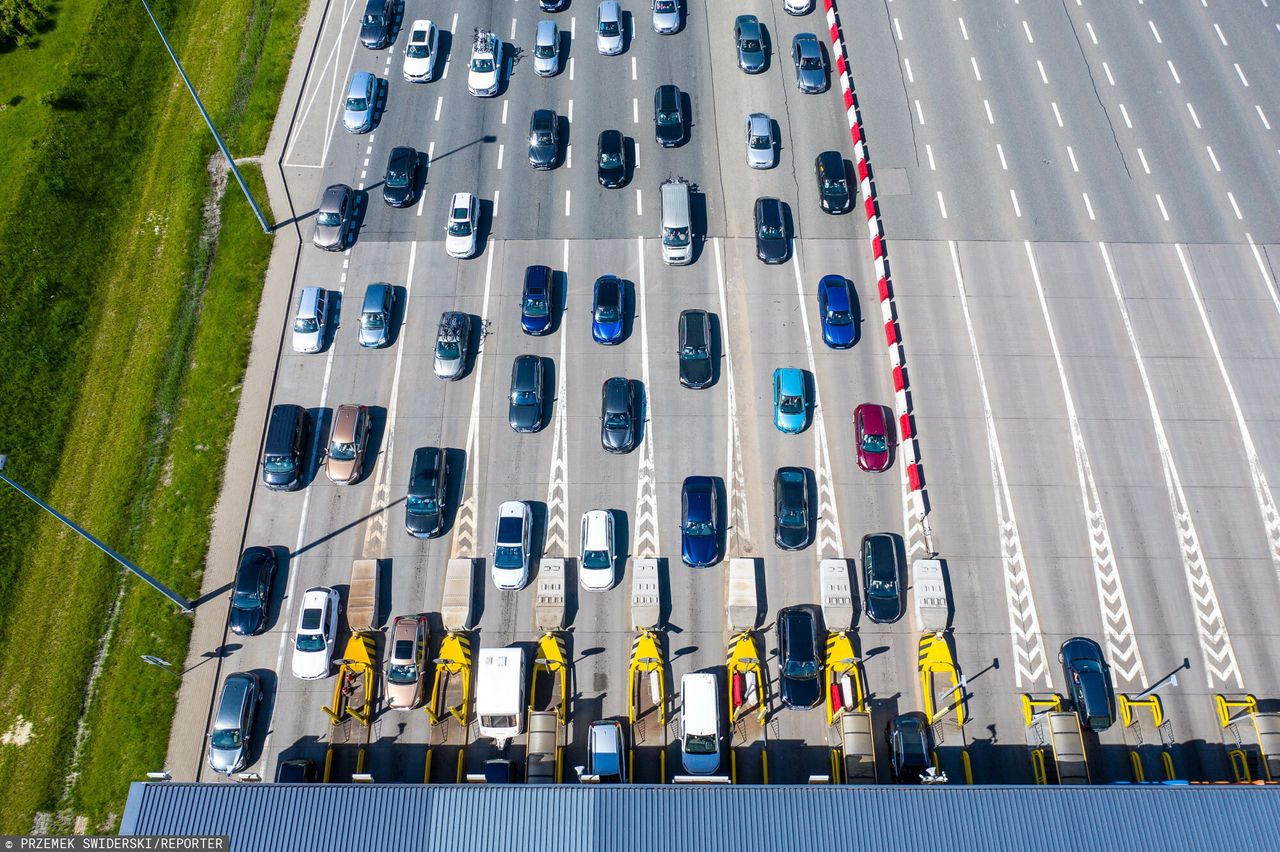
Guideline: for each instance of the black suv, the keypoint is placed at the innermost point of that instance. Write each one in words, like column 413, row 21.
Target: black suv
column 525, row 411
column 402, row 174
column 833, row 186
column 617, row 416
column 668, row 116
column 425, row 504
column 1088, row 682
column 696, row 365
column 251, row 595
column 799, row 683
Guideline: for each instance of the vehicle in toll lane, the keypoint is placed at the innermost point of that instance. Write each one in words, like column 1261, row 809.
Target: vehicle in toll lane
column 484, row 72
column 424, row 505
column 666, row 16
column 762, row 150
column 882, row 591
column 1087, row 677
column 316, row 634
column 595, row 567
column 835, row 311
column 535, row 301
column 668, row 116
column 453, row 335
column 460, row 239
column 607, row 752
column 618, row 417
column 799, row 684
column 233, row 723
column 694, row 333
column 527, row 399
column 790, row 400
column 748, row 40
column 546, row 49
column 405, row 670
column 772, row 242
column 375, row 316
column 376, row 23
column 344, row 458
column 810, row 64
column 511, row 546
column 310, row 320
column 871, row 437
column 699, row 525
column 792, row 523
column 833, row 186
column 907, row 736
column 609, row 36
column 362, row 98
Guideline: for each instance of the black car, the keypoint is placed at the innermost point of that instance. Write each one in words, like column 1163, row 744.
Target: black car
column 772, row 245
column 908, row 739
column 297, row 771
column 525, row 411
column 799, row 684
column 544, row 139
column 833, row 186
column 251, row 596
column 1088, row 682
column 617, row 416
column 882, row 592
column 428, row 479
column 552, row 5
column 791, row 520
column 375, row 26
column 611, row 159
column 668, row 116
column 696, row 366
column 401, row 177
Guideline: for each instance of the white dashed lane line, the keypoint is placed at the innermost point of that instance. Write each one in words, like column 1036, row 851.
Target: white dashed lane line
column 1013, row 196
column 501, row 150
column 1174, row 72
column 928, row 150
column 1003, row 163
column 1216, row 167
column 1195, row 118
column 1143, row 157
column 1163, row 212
column 1071, row 155
column 964, row 31
column 942, row 205
column 1262, row 116
column 505, row 104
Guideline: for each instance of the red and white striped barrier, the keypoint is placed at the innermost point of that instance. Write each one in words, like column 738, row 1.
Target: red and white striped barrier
column 908, row 440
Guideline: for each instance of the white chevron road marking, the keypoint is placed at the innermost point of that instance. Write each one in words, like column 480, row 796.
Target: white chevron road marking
column 557, row 540
column 1211, row 628
column 1024, row 624
column 646, row 536
column 736, row 482
column 464, row 544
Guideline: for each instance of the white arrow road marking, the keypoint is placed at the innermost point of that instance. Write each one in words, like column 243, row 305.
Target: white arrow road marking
column 739, row 526
column 1117, row 625
column 1024, row 624
column 646, row 535
column 1211, row 628
column 1261, row 490
column 375, row 536
column 558, row 480
column 464, row 541
column 829, row 543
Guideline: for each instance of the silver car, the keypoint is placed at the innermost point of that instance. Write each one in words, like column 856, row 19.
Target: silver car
column 666, row 16
column 761, row 148
column 748, row 38
column 375, row 316
column 811, row 68
column 546, row 49
column 609, row 28
column 362, row 96
column 451, row 345
column 333, row 217
column 233, row 723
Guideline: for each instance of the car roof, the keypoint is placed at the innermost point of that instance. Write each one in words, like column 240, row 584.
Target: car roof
column 837, row 289
column 522, row 371
column 596, row 521
column 546, row 30
column 405, row 627
column 790, row 380
column 1082, row 647
column 402, row 153
column 693, row 326
column 375, row 6
column 360, row 81
column 799, row 625
column 344, row 422
column 537, row 277
column 426, row 460
column 609, row 10
column 768, row 206
column 315, row 597
column 617, row 392
column 543, row 118
column 608, row 285
column 667, row 96
column 746, row 23
column 610, row 138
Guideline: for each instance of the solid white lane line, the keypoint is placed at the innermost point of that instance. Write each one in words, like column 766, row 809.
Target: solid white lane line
column 513, row 29
column 1211, row 629
column 1216, row 167
column 1143, row 158
column 1241, row 73
column 973, row 60
column 928, row 150
column 1117, row 624
column 571, row 110
column 1174, row 72
column 1262, row 269
column 573, row 28
column 646, row 545
column 1088, row 206
column 1026, row 28
column 1107, row 69
column 1013, row 196
column 942, row 205
column 735, row 480
column 1163, row 211
column 1195, row 118
column 1075, row 167
column 1234, row 206
column 1030, row 662
column 1000, row 150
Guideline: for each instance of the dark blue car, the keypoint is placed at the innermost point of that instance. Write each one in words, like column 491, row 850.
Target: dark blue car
column 607, row 310
column 835, row 307
column 699, row 537
column 535, row 304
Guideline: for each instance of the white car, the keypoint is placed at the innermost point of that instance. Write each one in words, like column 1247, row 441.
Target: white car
column 546, row 49
column 309, row 320
column 595, row 568
column 761, row 149
column 609, row 28
column 485, row 72
column 464, row 219
column 317, row 633
column 420, row 53
column 666, row 16
column 797, row 7
column 511, row 546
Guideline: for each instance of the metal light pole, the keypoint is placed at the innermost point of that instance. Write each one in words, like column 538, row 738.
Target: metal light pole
column 1171, row 679
column 184, row 604
column 257, row 211
column 162, row 663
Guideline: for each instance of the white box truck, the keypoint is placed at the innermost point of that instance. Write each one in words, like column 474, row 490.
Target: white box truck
column 500, row 693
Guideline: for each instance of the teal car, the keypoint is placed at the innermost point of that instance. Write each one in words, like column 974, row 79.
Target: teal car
column 790, row 400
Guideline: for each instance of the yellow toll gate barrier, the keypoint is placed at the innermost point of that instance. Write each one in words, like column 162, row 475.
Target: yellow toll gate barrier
column 453, row 665
column 550, row 660
column 842, row 678
column 647, row 667
column 1136, row 738
column 936, row 658
column 1253, row 750
column 353, row 691
column 747, row 683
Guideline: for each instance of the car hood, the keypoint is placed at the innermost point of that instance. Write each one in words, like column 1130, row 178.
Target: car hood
column 459, row 245
column 609, row 44
column 306, row 341
column 812, row 78
column 246, row 622
column 356, row 120
column 447, row 368
column 373, row 337
column 772, row 250
column 789, row 423
column 669, row 133
column 696, row 372
column 226, row 760
column 535, row 325
column 882, row 609
column 596, row 579
column 792, row 538
column 372, row 35
column 546, row 64
column 752, row 60
column 700, row 550
column 800, row 693
column 524, row 418
column 401, row 696
column 327, row 235
column 666, row 22
column 310, row 665
column 396, row 195
column 606, row 332
column 542, row 155
column 418, row 65
column 838, row 335
column 340, row 471
column 482, row 80
column 874, row 461
column 760, row 157
column 422, row 525
column 611, row 176
column 618, row 439
column 700, row 764
column 508, row 578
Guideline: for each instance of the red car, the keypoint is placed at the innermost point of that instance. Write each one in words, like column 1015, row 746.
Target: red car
column 872, row 436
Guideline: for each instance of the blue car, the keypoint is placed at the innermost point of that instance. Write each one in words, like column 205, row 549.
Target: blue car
column 535, row 304
column 835, row 307
column 607, row 310
column 699, row 537
column 790, row 401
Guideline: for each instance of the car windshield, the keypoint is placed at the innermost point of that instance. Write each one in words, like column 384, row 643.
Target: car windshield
column 882, row 588
column 535, row 307
column 698, row 527
column 447, row 349
column 422, row 505
column 749, row 45
column 810, row 63
column 840, row 318
column 508, row 557
column 373, row 320
column 374, row 21
column 306, row 325
column 357, row 104
column 675, row 236
column 544, row 51
column 797, row 669
column 665, row 6
column 460, row 226
column 693, row 353
column 404, row 675
column 417, row 51
column 245, row 599
column 279, row 464
column 770, row 232
column 668, row 116
column 482, row 65
column 342, row 450
column 608, row 28
column 617, row 421
column 309, row 643
column 834, row 185
column 397, row 177
column 523, row 397
column 610, row 160
column 226, row 739
column 1086, row 665
column 791, row 517
column 700, row 744
column 595, row 559
column 874, row 443
column 542, row 138
column 329, row 218
column 606, row 313
column 760, row 142
column 791, row 404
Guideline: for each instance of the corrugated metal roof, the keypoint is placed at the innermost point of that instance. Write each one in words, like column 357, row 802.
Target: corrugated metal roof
column 587, row 818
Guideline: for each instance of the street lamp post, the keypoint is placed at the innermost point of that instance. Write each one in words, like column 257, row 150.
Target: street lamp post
column 161, row 663
column 257, row 211
column 183, row 604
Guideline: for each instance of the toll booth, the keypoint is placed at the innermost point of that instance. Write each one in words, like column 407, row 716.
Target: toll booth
column 853, row 760
column 448, row 706
column 1054, row 739
column 1149, row 737
column 647, row 678
column 1251, row 738
column 942, row 684
column 747, row 677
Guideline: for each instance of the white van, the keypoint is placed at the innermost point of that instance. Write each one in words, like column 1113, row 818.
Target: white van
column 677, row 229
column 500, row 693
column 699, row 724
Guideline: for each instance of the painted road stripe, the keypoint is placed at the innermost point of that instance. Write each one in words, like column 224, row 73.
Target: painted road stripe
column 646, row 540
column 735, row 480
column 557, row 540
column 465, row 543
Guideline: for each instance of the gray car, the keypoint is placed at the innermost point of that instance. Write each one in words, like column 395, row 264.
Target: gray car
column 546, row 49
column 333, row 217
column 811, row 67
column 749, row 40
column 451, row 345
column 544, row 139
column 666, row 16
column 525, row 411
column 609, row 38
column 362, row 96
column 375, row 316
column 233, row 723
column 761, row 149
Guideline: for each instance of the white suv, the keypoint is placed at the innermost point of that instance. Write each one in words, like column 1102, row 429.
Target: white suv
column 596, row 565
column 485, row 71
column 511, row 546
column 460, row 233
column 420, row 52
column 797, row 7
column 317, row 633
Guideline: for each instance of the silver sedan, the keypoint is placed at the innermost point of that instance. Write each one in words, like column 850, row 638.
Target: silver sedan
column 761, row 146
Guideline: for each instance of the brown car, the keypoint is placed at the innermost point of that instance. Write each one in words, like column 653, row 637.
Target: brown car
column 403, row 673
column 344, row 460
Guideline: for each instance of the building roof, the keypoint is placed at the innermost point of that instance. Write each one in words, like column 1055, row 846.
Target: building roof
column 638, row 818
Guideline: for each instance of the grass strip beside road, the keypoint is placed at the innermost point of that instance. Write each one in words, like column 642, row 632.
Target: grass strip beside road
column 131, row 315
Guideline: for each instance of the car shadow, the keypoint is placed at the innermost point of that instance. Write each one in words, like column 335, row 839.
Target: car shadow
column 321, row 422
column 640, row 402
column 564, row 140
column 359, row 212
column 686, row 119
column 628, row 23
column 279, row 585
column 789, row 230
column 559, row 299
column 484, row 227
column 420, row 179
column 444, row 47
column 455, row 485
column 717, row 356
column 381, row 103
column 538, row 541
column 479, row 587
column 378, row 427
column 810, row 398
column 622, row 545
column 548, row 392
column 811, row 495
column 697, row 223
column 778, row 145
column 722, row 518
column 397, row 320
column 565, row 51
column 628, row 160
column 475, row 333
column 628, row 295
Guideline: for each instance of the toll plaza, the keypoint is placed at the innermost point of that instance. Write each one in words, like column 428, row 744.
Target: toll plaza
column 849, row 732
column 1148, row 735
column 1250, row 736
column 448, row 706
column 352, row 707
column 942, row 686
column 546, row 727
column 1054, row 740
column 746, row 681
column 647, row 678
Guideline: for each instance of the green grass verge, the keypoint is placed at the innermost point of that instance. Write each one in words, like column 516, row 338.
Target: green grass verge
column 126, row 332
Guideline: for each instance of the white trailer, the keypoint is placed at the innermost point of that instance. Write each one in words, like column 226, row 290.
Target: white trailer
column 500, row 693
